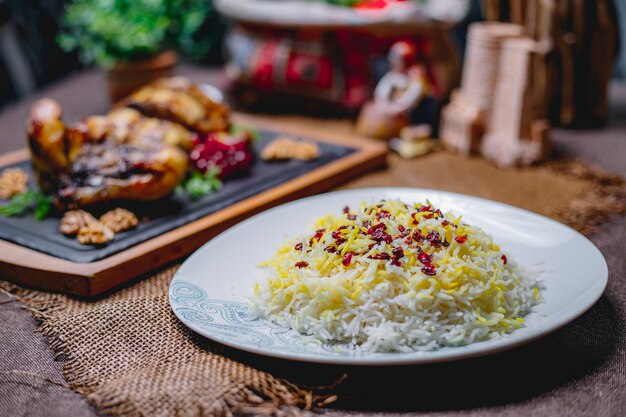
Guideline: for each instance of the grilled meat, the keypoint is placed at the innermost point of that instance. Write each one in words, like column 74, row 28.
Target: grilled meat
column 48, row 147
column 93, row 162
column 129, row 126
column 141, row 128
column 128, row 171
column 181, row 101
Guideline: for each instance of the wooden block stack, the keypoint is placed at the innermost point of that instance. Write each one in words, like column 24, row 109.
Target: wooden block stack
column 496, row 109
column 464, row 120
column 515, row 135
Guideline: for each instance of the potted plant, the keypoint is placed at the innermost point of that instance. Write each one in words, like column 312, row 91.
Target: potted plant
column 134, row 41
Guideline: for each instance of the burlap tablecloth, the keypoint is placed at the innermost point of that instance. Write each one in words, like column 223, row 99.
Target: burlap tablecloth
column 129, row 355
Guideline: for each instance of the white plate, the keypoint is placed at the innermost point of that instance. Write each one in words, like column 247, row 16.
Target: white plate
column 209, row 291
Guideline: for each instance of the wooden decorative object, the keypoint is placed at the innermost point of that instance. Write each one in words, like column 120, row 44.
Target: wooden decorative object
column 494, row 110
column 462, row 126
column 464, row 120
column 35, row 269
column 511, row 139
column 582, row 40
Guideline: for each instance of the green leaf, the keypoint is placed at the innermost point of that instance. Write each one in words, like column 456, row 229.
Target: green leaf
column 18, row 204
column 43, row 204
column 21, row 203
column 198, row 185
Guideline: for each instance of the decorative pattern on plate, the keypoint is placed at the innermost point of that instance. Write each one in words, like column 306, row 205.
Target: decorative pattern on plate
column 232, row 323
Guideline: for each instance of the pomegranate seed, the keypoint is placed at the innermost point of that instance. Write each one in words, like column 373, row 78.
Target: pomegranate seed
column 401, row 228
column 351, row 216
column 302, row 264
column 383, row 256
column 429, row 270
column 424, row 258
column 318, row 234
column 417, row 235
column 338, row 238
column 504, row 260
column 445, row 223
column 461, row 239
column 232, row 154
column 408, row 240
column 426, row 208
column 346, row 209
column 383, row 215
column 397, row 253
column 378, row 227
column 428, row 216
column 347, row 259
column 396, row 262
column 331, row 249
column 298, row 246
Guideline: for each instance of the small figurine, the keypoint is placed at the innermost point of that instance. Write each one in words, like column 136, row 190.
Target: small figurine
column 397, row 95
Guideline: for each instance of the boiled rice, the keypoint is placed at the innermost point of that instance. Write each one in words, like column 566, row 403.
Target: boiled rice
column 467, row 290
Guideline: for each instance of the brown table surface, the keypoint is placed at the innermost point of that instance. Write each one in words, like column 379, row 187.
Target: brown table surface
column 590, row 380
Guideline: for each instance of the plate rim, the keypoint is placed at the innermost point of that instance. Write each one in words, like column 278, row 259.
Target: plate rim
column 420, row 358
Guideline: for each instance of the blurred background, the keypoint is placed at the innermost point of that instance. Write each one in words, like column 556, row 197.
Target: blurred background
column 42, row 41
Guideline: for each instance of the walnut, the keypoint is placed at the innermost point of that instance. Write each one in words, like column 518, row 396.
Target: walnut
column 95, row 234
column 13, row 181
column 74, row 220
column 289, row 148
column 119, row 220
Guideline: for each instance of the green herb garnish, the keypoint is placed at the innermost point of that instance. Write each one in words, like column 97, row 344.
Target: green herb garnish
column 198, row 184
column 21, row 203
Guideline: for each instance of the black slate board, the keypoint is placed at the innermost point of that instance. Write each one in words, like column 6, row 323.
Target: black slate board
column 167, row 214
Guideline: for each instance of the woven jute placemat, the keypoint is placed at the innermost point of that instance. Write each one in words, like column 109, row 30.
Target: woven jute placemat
column 130, row 356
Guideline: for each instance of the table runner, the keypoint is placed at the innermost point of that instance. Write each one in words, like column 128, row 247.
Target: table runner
column 130, row 356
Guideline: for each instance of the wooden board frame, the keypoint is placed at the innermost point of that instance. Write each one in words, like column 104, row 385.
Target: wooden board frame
column 34, row 269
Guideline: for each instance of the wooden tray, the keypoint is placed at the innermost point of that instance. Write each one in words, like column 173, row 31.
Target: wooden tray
column 31, row 268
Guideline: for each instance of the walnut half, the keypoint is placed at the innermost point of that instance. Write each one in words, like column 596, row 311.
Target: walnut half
column 91, row 231
column 119, row 220
column 95, row 234
column 13, row 181
column 74, row 220
column 289, row 148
